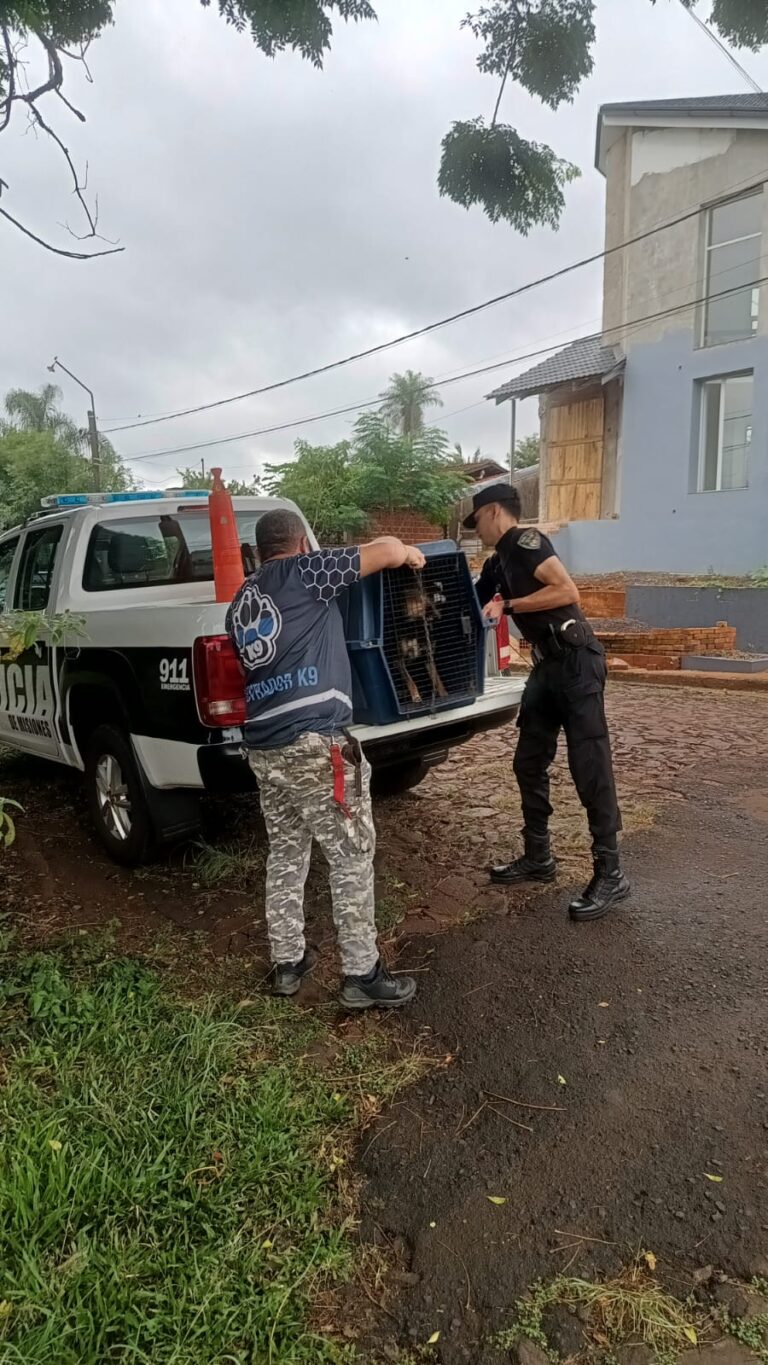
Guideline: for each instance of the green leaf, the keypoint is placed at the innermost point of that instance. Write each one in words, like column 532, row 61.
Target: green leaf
column 512, row 179
column 546, row 48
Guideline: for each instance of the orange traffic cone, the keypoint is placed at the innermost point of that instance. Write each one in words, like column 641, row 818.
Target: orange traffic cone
column 227, row 559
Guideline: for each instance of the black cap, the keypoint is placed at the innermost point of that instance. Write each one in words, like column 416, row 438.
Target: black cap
column 503, row 493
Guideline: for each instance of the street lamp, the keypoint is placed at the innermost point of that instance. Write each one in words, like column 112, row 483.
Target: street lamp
column 93, row 431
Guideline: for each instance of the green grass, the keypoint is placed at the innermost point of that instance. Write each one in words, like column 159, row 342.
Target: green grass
column 169, row 1188
column 234, row 865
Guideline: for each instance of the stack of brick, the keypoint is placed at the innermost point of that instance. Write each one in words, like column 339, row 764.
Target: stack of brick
column 656, row 649
column 604, row 604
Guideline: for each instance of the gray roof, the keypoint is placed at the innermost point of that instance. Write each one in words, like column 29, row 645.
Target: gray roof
column 725, row 107
column 586, row 358
column 695, row 104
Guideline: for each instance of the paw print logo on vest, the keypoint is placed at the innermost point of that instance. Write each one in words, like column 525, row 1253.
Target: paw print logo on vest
column 256, row 624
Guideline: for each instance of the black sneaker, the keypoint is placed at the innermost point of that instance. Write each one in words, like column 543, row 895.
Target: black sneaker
column 377, row 990
column 288, row 976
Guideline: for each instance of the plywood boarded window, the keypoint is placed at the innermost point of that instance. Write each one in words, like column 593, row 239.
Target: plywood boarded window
column 575, row 459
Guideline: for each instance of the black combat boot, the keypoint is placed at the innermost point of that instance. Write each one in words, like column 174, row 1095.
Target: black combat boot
column 607, row 887
column 535, row 865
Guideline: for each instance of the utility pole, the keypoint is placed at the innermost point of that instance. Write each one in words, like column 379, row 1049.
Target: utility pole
column 93, row 430
column 202, row 467
column 512, row 437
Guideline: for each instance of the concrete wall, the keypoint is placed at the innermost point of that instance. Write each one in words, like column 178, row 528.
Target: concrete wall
column 744, row 608
column 654, row 176
column 664, row 523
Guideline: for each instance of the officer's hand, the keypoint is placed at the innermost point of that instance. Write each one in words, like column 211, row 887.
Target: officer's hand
column 493, row 610
column 414, row 557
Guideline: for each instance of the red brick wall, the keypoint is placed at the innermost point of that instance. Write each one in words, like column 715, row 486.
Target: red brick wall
column 719, row 639
column 408, row 526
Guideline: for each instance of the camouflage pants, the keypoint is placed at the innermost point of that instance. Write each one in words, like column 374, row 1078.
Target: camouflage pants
column 296, row 788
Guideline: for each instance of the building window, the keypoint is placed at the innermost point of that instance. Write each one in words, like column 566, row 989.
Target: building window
column 734, row 242
column 726, row 433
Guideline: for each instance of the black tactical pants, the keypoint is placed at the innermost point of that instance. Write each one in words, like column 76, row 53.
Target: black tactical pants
column 567, row 692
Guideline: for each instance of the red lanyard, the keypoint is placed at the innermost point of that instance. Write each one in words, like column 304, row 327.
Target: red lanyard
column 339, row 780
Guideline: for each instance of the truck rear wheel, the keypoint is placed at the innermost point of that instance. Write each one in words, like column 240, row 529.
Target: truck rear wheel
column 116, row 798
column 396, row 778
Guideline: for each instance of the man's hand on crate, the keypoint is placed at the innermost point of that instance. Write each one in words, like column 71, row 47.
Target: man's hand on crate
column 414, row 557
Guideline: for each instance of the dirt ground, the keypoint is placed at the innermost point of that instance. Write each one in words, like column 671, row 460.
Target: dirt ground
column 642, row 1039
column 600, row 1073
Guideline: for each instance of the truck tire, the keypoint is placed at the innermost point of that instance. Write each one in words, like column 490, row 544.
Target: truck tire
column 396, row 778
column 116, row 797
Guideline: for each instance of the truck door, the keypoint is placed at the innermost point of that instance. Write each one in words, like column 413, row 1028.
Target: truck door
column 28, row 684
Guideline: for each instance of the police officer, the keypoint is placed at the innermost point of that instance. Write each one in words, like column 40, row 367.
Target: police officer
column 564, row 691
column 314, row 782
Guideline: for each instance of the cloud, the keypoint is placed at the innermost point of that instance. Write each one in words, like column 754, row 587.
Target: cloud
column 275, row 218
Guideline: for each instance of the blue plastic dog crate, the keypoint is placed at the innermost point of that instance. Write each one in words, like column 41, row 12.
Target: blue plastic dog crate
column 416, row 641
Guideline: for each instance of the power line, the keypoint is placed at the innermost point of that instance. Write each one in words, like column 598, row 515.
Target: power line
column 553, row 341
column 630, row 326
column 750, row 80
column 432, row 326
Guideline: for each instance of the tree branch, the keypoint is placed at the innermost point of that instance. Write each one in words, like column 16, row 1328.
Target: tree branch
column 501, row 92
column 7, row 103
column 57, row 250
column 77, row 113
column 78, row 188
column 55, row 72
column 53, row 84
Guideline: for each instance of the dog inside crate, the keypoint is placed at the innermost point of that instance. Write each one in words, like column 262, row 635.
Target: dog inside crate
column 428, row 629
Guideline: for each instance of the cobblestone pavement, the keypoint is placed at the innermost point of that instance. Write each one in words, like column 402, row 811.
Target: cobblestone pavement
column 440, row 838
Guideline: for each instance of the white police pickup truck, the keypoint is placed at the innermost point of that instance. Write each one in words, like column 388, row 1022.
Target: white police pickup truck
column 147, row 698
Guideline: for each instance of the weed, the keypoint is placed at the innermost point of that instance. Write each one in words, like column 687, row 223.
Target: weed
column 169, row 1172
column 234, row 865
column 751, row 1332
column 390, row 911
column 392, row 907
column 527, row 1324
column 631, row 1308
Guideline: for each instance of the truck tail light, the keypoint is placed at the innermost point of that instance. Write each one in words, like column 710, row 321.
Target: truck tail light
column 219, row 684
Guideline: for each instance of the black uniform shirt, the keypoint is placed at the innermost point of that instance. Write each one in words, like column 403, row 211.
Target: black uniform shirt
column 510, row 572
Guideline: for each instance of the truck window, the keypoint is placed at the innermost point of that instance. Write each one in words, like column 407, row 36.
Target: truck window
column 143, row 552
column 7, row 552
column 38, row 560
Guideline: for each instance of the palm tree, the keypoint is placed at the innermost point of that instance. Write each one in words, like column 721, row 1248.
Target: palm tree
column 405, row 399
column 469, row 459
column 39, row 412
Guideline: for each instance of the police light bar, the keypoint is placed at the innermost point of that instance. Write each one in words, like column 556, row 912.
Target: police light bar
column 100, row 499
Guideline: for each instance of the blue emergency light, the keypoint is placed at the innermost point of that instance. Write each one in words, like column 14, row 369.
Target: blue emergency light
column 101, row 499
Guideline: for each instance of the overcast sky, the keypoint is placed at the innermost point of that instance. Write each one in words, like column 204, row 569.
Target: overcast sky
column 276, row 218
